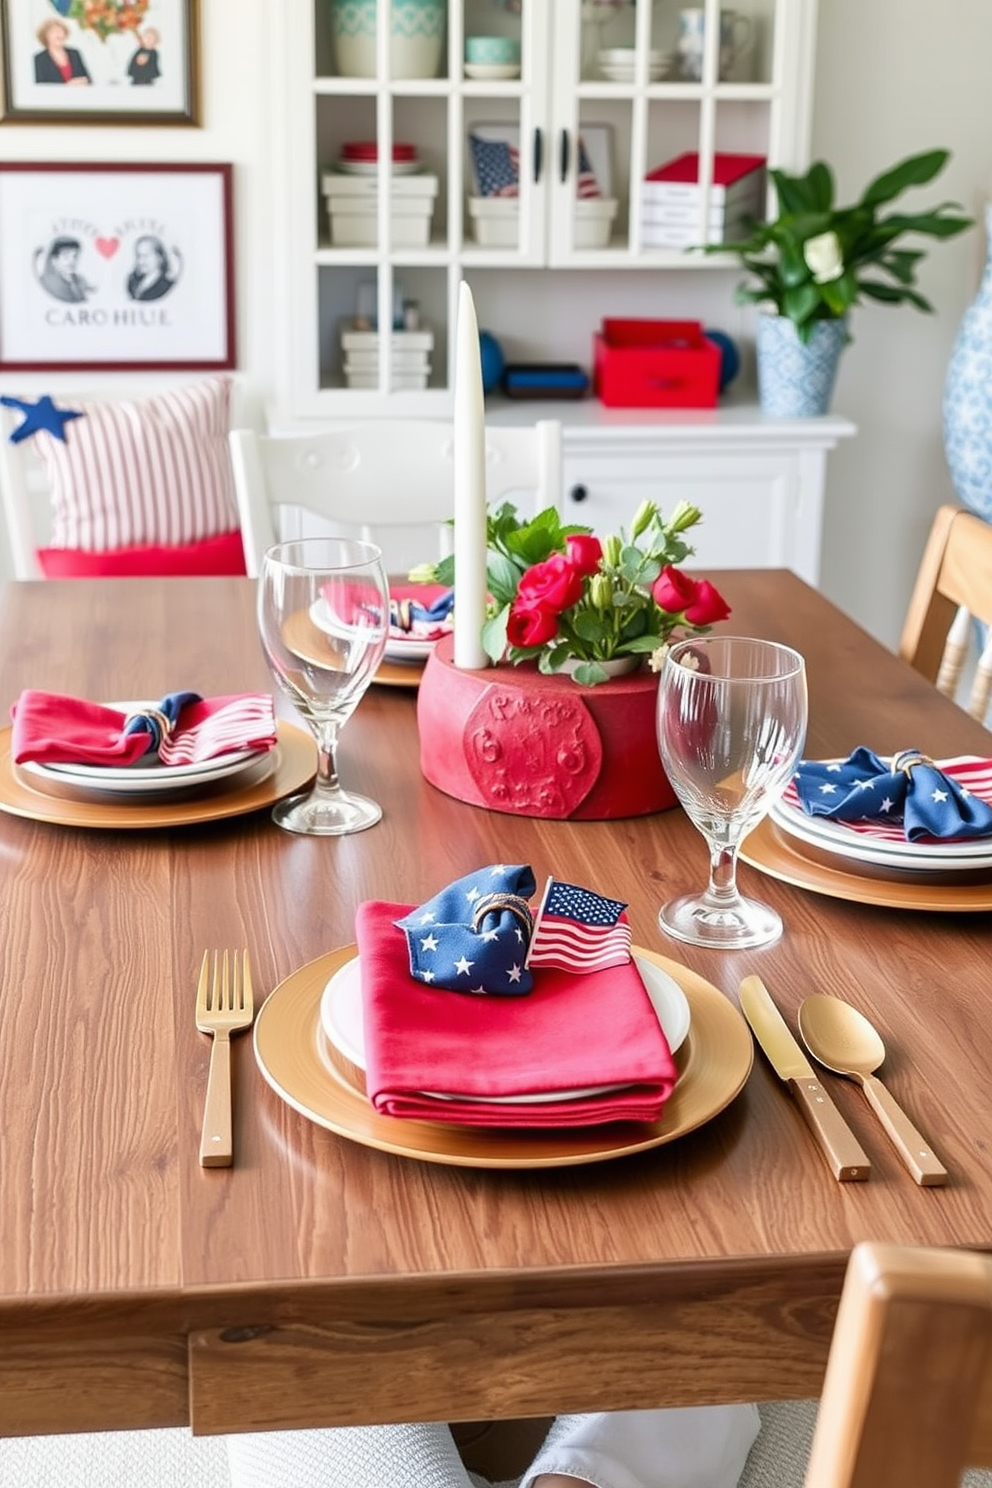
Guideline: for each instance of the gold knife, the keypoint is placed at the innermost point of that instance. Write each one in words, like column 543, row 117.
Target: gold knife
column 848, row 1160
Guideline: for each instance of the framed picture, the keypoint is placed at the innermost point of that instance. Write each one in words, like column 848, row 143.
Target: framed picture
column 116, row 266
column 99, row 61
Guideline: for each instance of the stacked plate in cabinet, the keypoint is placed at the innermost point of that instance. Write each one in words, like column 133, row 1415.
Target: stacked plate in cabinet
column 351, row 191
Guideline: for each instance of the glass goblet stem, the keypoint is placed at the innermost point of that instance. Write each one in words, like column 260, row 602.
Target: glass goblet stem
column 327, row 782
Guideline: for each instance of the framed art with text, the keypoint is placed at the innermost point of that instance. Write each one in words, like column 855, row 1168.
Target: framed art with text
column 99, row 61
column 116, row 266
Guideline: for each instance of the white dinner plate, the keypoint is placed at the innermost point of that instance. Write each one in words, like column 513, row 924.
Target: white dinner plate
column 341, row 1021
column 147, row 776
column 371, row 167
column 884, row 845
column 492, row 72
column 409, row 648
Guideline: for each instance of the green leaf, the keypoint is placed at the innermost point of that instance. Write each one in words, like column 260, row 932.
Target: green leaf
column 888, row 294
column 589, row 626
column 645, row 644
column 915, row 170
column 590, row 674
column 801, row 303
column 502, row 576
column 494, row 635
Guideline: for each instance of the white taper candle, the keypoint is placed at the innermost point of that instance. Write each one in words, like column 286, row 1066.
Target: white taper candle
column 470, row 489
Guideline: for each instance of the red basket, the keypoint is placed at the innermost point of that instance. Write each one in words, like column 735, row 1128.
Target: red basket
column 655, row 364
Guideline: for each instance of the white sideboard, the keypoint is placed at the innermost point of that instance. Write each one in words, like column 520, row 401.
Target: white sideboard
column 759, row 482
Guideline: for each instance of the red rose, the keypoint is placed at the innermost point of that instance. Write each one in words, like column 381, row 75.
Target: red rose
column 530, row 624
column 674, row 590
column 584, row 552
column 708, row 606
column 552, row 585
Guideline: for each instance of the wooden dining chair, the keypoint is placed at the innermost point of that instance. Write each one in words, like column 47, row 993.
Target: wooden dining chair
column 907, row 1396
column 953, row 589
column 386, row 478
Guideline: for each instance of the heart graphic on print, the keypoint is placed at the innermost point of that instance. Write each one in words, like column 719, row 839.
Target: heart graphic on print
column 107, row 247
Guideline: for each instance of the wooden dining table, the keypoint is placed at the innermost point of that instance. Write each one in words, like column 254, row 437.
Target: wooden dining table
column 323, row 1280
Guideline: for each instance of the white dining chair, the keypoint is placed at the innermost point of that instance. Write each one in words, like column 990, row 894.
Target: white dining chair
column 26, row 493
column 387, row 479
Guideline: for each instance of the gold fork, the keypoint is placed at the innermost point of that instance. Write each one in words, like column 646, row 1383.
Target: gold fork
column 224, row 1005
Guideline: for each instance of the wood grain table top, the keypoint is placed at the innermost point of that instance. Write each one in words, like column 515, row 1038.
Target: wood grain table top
column 319, row 1280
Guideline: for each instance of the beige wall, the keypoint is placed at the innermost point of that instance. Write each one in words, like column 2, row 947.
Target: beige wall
column 894, row 77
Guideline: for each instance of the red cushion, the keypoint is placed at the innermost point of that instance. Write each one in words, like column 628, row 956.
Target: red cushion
column 221, row 555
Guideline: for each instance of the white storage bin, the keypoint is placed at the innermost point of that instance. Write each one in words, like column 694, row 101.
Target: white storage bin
column 400, row 381
column 594, row 221
column 354, row 223
column 401, row 341
column 495, row 221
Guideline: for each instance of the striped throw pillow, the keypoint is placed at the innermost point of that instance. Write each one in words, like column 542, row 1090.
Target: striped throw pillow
column 152, row 471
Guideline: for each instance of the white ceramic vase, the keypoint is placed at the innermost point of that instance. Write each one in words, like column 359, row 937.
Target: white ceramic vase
column 416, row 37
column 796, row 380
column 968, row 399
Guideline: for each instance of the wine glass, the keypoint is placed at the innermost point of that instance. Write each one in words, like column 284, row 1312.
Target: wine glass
column 731, row 728
column 323, row 616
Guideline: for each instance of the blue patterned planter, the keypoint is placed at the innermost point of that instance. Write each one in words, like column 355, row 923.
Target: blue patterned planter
column 797, row 381
column 968, row 399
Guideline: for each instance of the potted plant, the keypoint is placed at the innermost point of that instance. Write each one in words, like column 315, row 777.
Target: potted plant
column 815, row 260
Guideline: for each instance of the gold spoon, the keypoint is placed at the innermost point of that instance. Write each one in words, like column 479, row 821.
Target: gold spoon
column 842, row 1040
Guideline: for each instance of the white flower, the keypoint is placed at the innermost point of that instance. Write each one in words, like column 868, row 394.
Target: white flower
column 824, row 258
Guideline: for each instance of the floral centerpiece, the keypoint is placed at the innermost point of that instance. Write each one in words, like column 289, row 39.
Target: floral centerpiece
column 572, row 603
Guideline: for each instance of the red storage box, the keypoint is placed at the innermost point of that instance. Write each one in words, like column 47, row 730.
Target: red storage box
column 656, row 364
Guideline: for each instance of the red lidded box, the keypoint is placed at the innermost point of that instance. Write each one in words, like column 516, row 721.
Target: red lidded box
column 655, row 364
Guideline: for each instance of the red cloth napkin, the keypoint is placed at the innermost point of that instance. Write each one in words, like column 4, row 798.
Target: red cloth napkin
column 571, row 1032
column 51, row 728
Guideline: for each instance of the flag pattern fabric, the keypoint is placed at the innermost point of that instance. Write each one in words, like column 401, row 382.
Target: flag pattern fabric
column 579, row 931
column 910, row 796
column 586, row 185
column 422, row 616
column 473, row 935
column 497, row 166
column 183, row 728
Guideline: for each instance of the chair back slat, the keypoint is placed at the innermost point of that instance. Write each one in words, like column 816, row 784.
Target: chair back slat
column 953, row 590
column 387, row 474
column 907, row 1396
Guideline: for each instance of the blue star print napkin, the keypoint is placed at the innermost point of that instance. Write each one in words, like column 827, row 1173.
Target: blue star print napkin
column 910, row 787
column 473, row 935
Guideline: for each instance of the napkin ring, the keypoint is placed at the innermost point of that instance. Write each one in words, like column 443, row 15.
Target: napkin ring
column 906, row 759
column 496, row 903
column 401, row 614
column 158, row 724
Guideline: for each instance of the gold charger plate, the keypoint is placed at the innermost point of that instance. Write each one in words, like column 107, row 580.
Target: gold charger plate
column 296, row 767
column 399, row 673
column 714, row 1063
column 312, row 644
column 782, row 856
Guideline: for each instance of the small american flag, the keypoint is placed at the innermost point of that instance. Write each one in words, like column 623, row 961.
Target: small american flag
column 578, row 930
column 497, row 166
column 586, row 185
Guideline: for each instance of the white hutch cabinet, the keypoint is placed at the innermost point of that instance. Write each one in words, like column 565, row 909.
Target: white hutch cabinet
column 600, row 95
